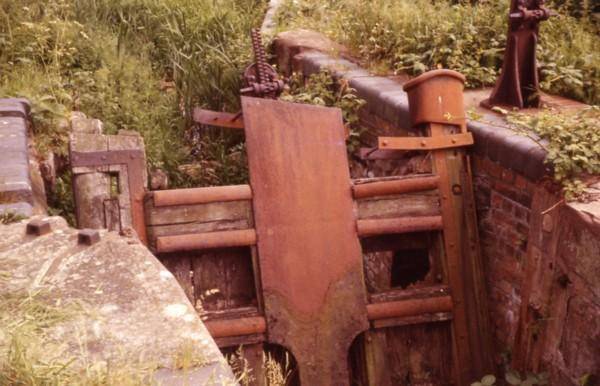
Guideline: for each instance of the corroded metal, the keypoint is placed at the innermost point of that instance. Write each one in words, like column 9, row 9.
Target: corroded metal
column 518, row 85
column 88, row 237
column 409, row 307
column 196, row 196
column 208, row 240
column 406, row 185
column 426, row 143
column 436, row 105
column 401, row 225
column 38, row 227
column 218, row 119
column 260, row 79
column 236, row 327
column 309, row 253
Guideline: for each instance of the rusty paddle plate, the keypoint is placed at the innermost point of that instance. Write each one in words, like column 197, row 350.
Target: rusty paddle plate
column 310, row 256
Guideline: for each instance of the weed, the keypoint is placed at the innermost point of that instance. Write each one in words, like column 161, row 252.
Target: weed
column 419, row 35
column 571, row 140
column 322, row 89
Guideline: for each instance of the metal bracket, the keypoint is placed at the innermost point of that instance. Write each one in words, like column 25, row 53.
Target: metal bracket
column 426, row 143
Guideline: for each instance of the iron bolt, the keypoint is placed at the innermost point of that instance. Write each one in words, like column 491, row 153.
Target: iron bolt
column 88, row 237
column 38, row 227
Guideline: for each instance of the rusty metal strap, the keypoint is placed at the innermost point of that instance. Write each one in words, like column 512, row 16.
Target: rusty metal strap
column 400, row 225
column 134, row 159
column 411, row 307
column 236, row 327
column 197, row 196
column 426, row 143
column 384, row 188
column 210, row 240
column 219, row 119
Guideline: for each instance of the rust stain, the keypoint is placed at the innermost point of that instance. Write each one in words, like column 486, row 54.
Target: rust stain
column 310, row 256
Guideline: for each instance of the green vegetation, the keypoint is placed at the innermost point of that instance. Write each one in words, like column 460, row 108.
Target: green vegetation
column 29, row 356
column 323, row 90
column 135, row 64
column 414, row 36
column 571, row 140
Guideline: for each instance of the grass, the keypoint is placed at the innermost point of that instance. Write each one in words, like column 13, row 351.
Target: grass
column 413, row 36
column 29, row 356
column 135, row 64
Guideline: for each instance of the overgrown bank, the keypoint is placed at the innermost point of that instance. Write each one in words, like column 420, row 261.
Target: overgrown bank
column 418, row 35
column 134, row 64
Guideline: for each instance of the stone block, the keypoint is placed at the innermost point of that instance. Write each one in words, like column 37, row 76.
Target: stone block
column 23, row 209
column 10, row 108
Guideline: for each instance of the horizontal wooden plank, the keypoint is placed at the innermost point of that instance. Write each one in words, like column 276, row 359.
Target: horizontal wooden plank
column 201, row 213
column 411, row 320
column 411, row 293
column 405, row 205
column 426, row 143
column 201, row 195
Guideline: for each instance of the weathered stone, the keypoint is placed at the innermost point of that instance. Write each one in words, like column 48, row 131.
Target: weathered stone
column 129, row 305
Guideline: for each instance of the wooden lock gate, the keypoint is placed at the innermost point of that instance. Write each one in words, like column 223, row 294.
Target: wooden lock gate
column 300, row 224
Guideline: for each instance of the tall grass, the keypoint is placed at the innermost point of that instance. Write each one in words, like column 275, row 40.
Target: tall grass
column 108, row 58
column 414, row 36
column 135, row 64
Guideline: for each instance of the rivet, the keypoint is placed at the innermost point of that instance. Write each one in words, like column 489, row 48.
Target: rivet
column 38, row 227
column 88, row 237
column 385, row 143
column 423, row 143
column 103, row 158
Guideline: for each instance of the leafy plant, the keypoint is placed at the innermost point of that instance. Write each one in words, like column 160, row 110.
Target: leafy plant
column 571, row 140
column 323, row 90
column 413, row 36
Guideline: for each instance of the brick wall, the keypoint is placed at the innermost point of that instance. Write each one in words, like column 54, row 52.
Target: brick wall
column 541, row 261
column 503, row 201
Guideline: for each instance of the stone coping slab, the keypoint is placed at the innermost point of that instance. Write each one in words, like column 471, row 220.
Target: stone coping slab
column 128, row 305
column 309, row 52
column 16, row 192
